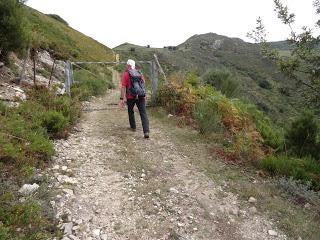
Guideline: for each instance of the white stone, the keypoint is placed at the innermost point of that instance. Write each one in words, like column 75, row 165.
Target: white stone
column 173, row 190
column 104, row 237
column 79, row 221
column 96, row 232
column 66, row 179
column 27, row 189
column 252, row 200
column 56, row 167
column 68, row 191
column 64, row 168
column 73, row 237
column 272, row 233
column 68, row 228
column 180, row 224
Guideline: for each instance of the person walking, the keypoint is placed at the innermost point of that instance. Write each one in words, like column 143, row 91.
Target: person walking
column 133, row 89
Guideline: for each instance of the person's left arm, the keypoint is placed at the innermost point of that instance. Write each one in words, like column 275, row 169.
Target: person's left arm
column 124, row 83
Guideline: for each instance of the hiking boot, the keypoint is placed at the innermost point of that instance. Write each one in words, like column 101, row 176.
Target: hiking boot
column 133, row 129
column 146, row 135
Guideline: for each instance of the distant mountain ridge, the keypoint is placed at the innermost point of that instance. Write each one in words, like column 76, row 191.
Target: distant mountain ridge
column 259, row 78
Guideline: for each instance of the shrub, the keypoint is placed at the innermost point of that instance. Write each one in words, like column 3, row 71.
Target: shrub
column 207, row 118
column 69, row 107
column 3, row 108
column 305, row 169
column 89, row 84
column 23, row 141
column 265, row 84
column 193, row 79
column 301, row 137
column 55, row 123
column 14, row 35
column 58, row 18
column 95, row 87
column 80, row 92
column 272, row 137
column 28, row 216
column 177, row 99
column 223, row 81
column 301, row 191
column 216, row 113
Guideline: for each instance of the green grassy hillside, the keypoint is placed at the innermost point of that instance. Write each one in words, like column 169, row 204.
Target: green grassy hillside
column 260, row 80
column 64, row 40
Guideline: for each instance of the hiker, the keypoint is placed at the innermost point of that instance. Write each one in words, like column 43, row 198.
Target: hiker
column 133, row 86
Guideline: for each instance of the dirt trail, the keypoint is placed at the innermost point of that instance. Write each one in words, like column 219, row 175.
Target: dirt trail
column 114, row 184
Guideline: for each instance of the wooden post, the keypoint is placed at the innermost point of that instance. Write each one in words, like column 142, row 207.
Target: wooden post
column 160, row 68
column 22, row 74
column 155, row 80
column 34, row 56
column 52, row 69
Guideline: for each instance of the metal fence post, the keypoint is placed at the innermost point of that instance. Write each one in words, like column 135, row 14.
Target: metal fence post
column 67, row 73
column 71, row 74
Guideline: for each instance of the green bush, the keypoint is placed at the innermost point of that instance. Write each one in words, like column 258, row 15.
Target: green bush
column 23, row 140
column 95, row 87
column 55, row 123
column 3, row 108
column 69, row 107
column 302, row 136
column 265, row 84
column 305, row 169
column 299, row 190
column 271, row 135
column 58, row 18
column 223, row 81
column 14, row 33
column 89, row 84
column 28, row 216
column 80, row 92
column 207, row 117
column 193, row 79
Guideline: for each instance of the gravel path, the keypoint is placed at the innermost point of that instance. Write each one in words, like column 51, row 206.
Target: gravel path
column 112, row 183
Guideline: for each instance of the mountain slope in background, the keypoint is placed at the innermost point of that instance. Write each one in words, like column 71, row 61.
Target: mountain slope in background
column 54, row 34
column 260, row 79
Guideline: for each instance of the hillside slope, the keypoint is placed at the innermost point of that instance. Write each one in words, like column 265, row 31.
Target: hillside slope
column 66, row 42
column 260, row 79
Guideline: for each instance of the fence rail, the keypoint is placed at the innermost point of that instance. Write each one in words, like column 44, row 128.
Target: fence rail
column 154, row 64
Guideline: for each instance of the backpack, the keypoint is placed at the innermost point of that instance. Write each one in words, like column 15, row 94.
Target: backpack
column 138, row 88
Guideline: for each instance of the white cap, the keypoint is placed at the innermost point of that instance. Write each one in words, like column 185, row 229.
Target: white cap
column 131, row 63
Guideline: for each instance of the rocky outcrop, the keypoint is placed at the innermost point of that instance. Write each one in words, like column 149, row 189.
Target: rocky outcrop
column 11, row 93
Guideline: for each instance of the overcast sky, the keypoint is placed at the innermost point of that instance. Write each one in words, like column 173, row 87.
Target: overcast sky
column 171, row 22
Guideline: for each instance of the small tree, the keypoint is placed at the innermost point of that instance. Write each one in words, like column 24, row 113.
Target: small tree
column 301, row 137
column 303, row 64
column 222, row 80
column 14, row 34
